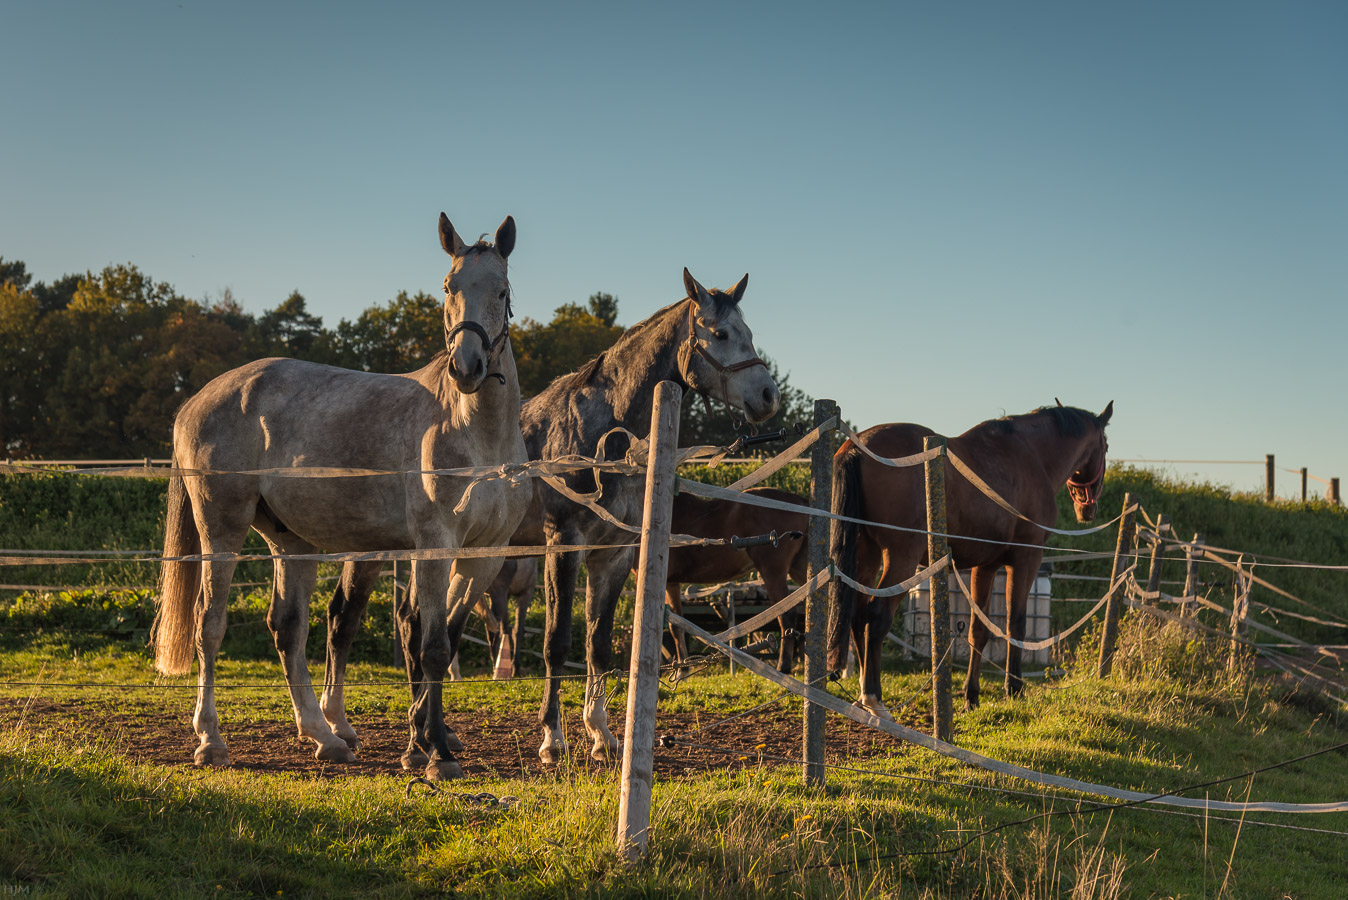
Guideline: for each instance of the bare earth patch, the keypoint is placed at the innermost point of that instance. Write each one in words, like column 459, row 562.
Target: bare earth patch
column 498, row 745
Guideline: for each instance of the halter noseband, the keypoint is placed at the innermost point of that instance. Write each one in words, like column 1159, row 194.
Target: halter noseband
column 1084, row 493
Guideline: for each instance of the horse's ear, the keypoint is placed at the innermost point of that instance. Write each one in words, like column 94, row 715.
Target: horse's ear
column 696, row 292
column 737, row 292
column 1057, row 401
column 505, row 237
column 449, row 238
column 1109, row 411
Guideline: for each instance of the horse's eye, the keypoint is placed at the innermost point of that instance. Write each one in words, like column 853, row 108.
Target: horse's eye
column 721, row 335
column 503, row 295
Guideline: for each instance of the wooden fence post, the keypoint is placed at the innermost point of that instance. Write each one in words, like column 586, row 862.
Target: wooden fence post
column 634, row 804
column 1268, row 478
column 938, row 546
column 816, row 603
column 1122, row 548
column 1157, row 558
column 1334, row 492
column 1192, row 554
column 1303, row 484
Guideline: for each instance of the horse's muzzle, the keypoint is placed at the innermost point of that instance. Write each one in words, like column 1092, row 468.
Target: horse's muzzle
column 1085, row 512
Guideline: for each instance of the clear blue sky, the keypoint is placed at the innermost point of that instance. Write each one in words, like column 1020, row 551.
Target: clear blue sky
column 948, row 211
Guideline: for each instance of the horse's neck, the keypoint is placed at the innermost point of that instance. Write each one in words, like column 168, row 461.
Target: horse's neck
column 617, row 391
column 1058, row 453
column 492, row 412
column 633, row 367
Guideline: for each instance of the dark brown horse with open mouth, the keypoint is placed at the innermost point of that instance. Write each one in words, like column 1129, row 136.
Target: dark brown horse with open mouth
column 1025, row 459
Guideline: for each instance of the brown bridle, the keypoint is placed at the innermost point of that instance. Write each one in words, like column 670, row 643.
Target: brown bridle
column 1084, row 493
column 693, row 345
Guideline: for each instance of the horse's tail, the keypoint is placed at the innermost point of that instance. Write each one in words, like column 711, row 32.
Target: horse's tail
column 174, row 633
column 843, row 550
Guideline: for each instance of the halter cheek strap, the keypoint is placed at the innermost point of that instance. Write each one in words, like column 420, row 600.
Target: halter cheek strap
column 693, row 345
column 493, row 347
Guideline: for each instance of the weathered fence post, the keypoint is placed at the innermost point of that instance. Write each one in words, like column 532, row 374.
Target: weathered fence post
column 1240, row 611
column 1122, row 548
column 1192, row 554
column 816, row 604
column 1268, row 478
column 939, row 604
column 1303, row 484
column 634, row 804
column 1157, row 558
column 1334, row 491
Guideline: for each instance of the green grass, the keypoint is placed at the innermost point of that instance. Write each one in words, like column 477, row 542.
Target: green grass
column 82, row 820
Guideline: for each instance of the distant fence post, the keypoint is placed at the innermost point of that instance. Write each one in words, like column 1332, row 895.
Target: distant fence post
column 1334, row 492
column 1240, row 611
column 1268, row 478
column 638, row 775
column 816, row 603
column 1157, row 558
column 938, row 546
column 1303, row 484
column 1192, row 554
column 1122, row 548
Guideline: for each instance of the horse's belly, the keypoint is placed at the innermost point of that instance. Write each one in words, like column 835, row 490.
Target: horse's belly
column 341, row 514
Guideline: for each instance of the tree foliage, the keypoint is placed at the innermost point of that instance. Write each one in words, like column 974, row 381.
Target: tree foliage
column 96, row 365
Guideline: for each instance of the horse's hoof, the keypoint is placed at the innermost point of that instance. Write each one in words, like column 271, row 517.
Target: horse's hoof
column 455, row 745
column 602, row 752
column 443, row 770
column 211, row 755
column 414, row 760
column 352, row 741
column 970, row 704
column 338, row 753
column 553, row 754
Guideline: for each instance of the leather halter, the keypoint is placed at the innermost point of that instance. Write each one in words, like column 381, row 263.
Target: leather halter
column 693, row 345
column 493, row 347
column 1085, row 493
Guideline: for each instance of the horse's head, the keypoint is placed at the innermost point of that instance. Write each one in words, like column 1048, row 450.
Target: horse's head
column 477, row 303
column 718, row 358
column 1089, row 474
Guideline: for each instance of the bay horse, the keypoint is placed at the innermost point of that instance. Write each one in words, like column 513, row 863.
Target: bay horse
column 702, row 343
column 460, row 410
column 1025, row 458
column 716, row 518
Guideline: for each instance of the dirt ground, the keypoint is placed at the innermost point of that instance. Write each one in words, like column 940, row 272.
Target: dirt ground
column 497, row 745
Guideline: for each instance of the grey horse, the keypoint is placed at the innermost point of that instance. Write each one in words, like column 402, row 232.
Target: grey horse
column 703, row 344
column 248, row 425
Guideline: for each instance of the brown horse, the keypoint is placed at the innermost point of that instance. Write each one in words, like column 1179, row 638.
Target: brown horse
column 1025, row 459
column 707, row 518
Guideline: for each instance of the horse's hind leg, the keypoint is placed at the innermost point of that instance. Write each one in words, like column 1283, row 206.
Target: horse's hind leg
column 345, row 612
column 408, row 623
column 607, row 573
column 980, row 588
column 774, row 582
column 216, row 577
column 288, row 619
column 674, row 600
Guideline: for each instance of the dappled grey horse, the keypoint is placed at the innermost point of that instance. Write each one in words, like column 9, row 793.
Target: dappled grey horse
column 703, row 344
column 460, row 410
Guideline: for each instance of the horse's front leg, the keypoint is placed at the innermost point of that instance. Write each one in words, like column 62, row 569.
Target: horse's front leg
column 1020, row 576
column 430, row 589
column 674, row 600
column 559, row 583
column 345, row 612
column 776, row 586
column 606, row 574
column 407, row 618
column 980, row 588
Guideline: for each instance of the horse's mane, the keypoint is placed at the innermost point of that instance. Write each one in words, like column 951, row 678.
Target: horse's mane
column 1069, row 420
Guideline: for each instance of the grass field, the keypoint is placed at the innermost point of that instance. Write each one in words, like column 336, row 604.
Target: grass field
column 98, row 796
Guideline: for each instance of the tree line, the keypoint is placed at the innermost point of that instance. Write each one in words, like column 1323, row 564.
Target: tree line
column 95, row 366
